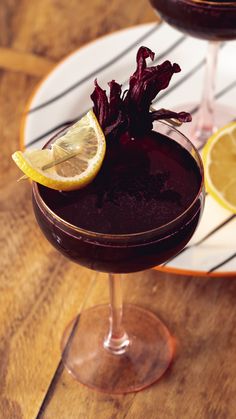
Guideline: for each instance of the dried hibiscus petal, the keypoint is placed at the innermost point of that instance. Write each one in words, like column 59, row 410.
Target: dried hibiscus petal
column 101, row 106
column 130, row 110
column 165, row 114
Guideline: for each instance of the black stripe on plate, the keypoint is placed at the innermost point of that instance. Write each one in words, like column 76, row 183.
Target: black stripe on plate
column 187, row 76
column 217, row 228
column 226, row 89
column 160, row 57
column 222, row 263
column 52, row 130
column 217, row 96
column 55, row 128
column 221, row 225
column 98, row 70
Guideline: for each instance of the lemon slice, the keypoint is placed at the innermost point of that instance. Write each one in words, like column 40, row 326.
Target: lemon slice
column 219, row 158
column 73, row 160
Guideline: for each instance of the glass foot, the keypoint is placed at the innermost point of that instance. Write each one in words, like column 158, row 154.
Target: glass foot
column 198, row 131
column 145, row 360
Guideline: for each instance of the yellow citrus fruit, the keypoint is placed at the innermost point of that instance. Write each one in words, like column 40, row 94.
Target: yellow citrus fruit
column 219, row 158
column 73, row 160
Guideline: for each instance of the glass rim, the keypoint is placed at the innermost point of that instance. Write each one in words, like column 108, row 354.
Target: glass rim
column 93, row 234
column 212, row 2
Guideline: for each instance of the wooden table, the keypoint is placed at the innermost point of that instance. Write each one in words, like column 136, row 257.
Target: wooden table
column 41, row 291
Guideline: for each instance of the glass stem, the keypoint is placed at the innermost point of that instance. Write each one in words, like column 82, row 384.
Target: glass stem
column 117, row 340
column 205, row 119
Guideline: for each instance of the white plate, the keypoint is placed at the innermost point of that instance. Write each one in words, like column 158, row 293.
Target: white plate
column 64, row 95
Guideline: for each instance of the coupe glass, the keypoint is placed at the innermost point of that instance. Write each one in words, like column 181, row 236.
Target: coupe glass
column 118, row 348
column 214, row 21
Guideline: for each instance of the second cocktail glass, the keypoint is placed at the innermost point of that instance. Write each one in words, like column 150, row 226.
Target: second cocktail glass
column 214, row 21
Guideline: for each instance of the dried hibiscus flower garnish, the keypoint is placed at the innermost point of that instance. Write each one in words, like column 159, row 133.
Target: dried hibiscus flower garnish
column 130, row 111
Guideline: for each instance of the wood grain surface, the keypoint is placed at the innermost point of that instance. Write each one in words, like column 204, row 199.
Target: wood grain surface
column 41, row 291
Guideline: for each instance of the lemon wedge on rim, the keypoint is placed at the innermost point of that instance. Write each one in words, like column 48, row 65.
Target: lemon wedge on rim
column 73, row 160
column 219, row 159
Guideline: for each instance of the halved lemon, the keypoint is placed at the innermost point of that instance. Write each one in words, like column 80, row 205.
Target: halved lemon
column 73, row 160
column 219, row 158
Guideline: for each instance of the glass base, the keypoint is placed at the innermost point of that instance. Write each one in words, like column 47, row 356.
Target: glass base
column 199, row 132
column 146, row 359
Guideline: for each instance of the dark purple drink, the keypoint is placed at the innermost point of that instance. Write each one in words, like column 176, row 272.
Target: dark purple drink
column 141, row 209
column 211, row 20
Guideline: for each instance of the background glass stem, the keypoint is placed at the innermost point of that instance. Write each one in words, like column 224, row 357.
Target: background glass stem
column 205, row 119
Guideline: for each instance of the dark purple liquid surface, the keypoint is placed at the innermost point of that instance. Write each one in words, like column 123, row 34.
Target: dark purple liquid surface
column 212, row 20
column 143, row 184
